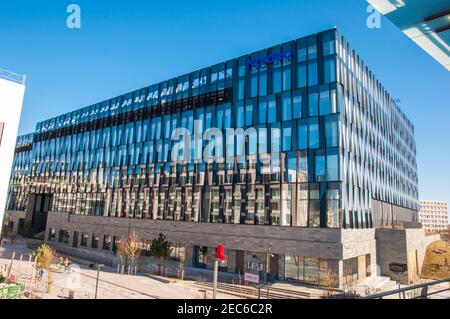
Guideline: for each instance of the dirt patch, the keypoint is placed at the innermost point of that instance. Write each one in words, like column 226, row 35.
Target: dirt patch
column 436, row 264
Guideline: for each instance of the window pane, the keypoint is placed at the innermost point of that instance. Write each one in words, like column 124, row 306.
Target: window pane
column 331, row 132
column 263, row 84
column 287, row 136
column 333, row 103
column 312, row 74
column 286, row 107
column 332, row 167
column 287, row 79
column 325, row 106
column 312, row 52
column 249, row 114
column 333, row 218
column 303, row 167
column 302, row 136
column 272, row 111
column 254, row 86
column 313, row 104
column 262, row 113
column 330, row 70
column 302, row 54
column 320, row 168
column 329, row 47
column 314, row 213
column 240, row 115
column 301, row 76
column 297, row 106
column 276, row 81
column 313, row 136
column 241, row 90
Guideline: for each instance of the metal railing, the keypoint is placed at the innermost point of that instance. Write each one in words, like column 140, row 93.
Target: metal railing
column 423, row 290
column 14, row 77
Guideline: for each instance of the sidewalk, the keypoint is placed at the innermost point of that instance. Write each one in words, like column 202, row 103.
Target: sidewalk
column 111, row 285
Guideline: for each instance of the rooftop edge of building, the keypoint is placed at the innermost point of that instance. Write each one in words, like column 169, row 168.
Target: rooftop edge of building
column 339, row 35
column 13, row 77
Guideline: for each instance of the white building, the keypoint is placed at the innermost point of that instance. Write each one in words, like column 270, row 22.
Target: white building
column 12, row 89
column 433, row 215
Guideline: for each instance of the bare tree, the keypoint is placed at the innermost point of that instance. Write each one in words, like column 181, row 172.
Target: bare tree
column 329, row 281
column 130, row 248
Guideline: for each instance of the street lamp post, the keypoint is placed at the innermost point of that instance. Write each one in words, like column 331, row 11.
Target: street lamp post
column 98, row 275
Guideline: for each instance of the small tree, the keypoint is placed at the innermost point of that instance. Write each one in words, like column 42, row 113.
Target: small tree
column 161, row 248
column 329, row 281
column 44, row 256
column 130, row 247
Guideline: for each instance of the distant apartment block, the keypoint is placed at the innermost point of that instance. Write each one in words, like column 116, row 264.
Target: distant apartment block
column 434, row 215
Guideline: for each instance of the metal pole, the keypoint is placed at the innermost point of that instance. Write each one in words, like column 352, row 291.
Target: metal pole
column 28, row 269
column 96, row 283
column 216, row 274
column 32, row 276
column 20, row 266
column 398, row 279
column 259, row 288
column 10, row 265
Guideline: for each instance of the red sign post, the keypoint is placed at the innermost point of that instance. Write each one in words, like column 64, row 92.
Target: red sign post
column 220, row 256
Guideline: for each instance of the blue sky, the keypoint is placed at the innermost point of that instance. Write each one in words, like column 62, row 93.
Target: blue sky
column 125, row 45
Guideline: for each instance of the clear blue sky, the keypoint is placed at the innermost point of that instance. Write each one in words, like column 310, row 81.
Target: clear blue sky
column 125, row 45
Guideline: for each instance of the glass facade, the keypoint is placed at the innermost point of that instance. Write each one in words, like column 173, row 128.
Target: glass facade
column 333, row 137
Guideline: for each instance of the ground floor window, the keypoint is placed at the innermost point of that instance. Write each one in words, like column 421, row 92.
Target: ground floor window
column 51, row 234
column 84, row 239
column 200, row 256
column 106, row 242
column 95, row 240
column 350, row 269
column 178, row 252
column 64, row 236
column 311, row 270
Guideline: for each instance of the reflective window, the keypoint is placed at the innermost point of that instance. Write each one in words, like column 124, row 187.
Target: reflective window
column 276, row 81
column 329, row 69
column 263, row 84
column 262, row 112
column 240, row 114
column 286, row 107
column 297, row 105
column 329, row 47
column 272, row 110
column 325, row 104
column 286, row 79
column 302, row 76
column 320, row 168
column 333, row 209
column 312, row 74
column 314, row 206
column 249, row 113
column 302, row 136
column 313, row 135
column 313, row 103
column 331, row 132
column 332, row 167
column 287, row 138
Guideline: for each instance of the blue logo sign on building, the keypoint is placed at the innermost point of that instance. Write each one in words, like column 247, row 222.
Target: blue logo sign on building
column 274, row 57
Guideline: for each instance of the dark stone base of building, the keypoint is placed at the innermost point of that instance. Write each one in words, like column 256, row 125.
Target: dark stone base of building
column 296, row 254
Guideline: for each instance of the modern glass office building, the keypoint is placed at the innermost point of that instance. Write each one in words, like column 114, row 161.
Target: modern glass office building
column 318, row 145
